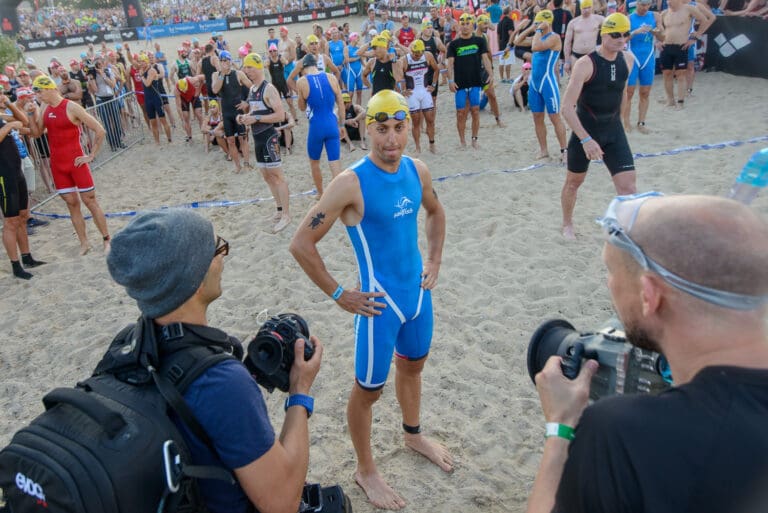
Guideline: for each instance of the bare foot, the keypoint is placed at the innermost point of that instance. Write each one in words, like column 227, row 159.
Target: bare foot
column 84, row 248
column 281, row 224
column 238, row 169
column 430, row 449
column 680, row 105
column 642, row 128
column 500, row 124
column 418, row 148
column 568, row 232
column 351, row 148
column 462, row 145
column 627, row 127
column 432, row 148
column 378, row 491
column 542, row 155
column 475, row 144
column 670, row 103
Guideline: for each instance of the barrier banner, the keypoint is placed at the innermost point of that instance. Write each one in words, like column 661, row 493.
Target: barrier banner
column 737, row 45
column 80, row 39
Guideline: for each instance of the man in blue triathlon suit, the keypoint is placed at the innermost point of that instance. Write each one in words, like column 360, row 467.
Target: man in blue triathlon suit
column 320, row 92
column 645, row 25
column 378, row 200
column 543, row 91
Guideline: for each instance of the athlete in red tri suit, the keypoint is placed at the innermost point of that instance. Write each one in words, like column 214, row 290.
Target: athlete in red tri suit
column 137, row 85
column 188, row 98
column 62, row 118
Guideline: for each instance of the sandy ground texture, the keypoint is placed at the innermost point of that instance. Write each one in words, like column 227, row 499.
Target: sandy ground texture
column 505, row 270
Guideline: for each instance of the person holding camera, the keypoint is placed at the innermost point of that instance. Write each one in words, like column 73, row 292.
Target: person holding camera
column 171, row 263
column 688, row 278
column 102, row 84
column 378, row 199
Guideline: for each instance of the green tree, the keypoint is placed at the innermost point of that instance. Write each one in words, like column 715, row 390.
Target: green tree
column 9, row 52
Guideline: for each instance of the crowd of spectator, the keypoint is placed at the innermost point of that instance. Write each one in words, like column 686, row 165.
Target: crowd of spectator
column 66, row 21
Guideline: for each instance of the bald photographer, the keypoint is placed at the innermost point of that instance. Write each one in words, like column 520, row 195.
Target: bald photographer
column 688, row 277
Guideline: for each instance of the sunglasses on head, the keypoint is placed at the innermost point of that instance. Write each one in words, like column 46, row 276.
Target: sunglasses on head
column 617, row 35
column 383, row 117
column 222, row 247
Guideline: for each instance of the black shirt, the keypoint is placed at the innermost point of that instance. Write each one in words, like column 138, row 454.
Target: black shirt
column 467, row 60
column 505, row 26
column 697, row 448
column 561, row 19
column 231, row 92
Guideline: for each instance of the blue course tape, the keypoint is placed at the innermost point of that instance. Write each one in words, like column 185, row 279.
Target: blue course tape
column 235, row 203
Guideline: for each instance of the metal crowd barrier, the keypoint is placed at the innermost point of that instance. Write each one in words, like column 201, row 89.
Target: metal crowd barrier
column 123, row 120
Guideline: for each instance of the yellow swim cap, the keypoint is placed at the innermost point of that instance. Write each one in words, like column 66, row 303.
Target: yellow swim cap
column 417, row 45
column 379, row 41
column 466, row 17
column 544, row 15
column 253, row 60
column 143, row 57
column 183, row 85
column 387, row 34
column 345, row 97
column 213, row 103
column 43, row 82
column 312, row 39
column 615, row 23
column 585, row 4
column 386, row 105
column 483, row 18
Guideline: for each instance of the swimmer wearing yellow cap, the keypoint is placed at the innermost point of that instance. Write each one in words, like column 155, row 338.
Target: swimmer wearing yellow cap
column 383, row 68
column 581, row 35
column 379, row 199
column 421, row 76
column 598, row 84
column 43, row 82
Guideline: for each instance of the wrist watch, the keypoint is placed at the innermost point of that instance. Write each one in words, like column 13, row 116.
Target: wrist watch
column 300, row 400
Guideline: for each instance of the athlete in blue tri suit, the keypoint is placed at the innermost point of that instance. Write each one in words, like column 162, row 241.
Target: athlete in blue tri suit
column 378, row 199
column 644, row 27
column 543, row 91
column 352, row 75
column 319, row 91
column 336, row 48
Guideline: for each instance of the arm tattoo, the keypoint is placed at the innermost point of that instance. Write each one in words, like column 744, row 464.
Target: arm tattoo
column 317, row 220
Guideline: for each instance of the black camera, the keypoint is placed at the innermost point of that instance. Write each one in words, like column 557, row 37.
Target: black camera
column 329, row 499
column 624, row 368
column 90, row 68
column 270, row 353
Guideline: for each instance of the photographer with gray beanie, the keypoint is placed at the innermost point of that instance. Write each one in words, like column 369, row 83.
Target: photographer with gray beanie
column 171, row 263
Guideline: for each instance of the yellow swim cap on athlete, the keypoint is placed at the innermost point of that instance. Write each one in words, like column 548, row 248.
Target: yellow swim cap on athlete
column 345, row 97
column 615, row 23
column 483, row 18
column 253, row 60
column 144, row 57
column 379, row 41
column 417, row 45
column 426, row 24
column 183, row 85
column 387, row 34
column 386, row 104
column 43, row 82
column 544, row 15
column 213, row 103
column 466, row 17
column 585, row 4
column 312, row 39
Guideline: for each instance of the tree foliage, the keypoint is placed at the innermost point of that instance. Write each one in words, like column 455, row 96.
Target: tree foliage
column 9, row 52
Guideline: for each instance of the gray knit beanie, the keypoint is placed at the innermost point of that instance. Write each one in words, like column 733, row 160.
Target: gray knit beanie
column 161, row 258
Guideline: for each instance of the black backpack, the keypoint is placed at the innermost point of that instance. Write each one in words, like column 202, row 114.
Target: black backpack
column 108, row 445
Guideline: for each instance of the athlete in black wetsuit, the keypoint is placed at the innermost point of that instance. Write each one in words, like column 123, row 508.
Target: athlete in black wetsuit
column 592, row 108
column 14, row 197
column 229, row 85
column 277, row 76
column 381, row 68
column 208, row 68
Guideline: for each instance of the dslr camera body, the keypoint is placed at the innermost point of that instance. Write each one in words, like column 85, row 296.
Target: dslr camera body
column 271, row 352
column 624, row 368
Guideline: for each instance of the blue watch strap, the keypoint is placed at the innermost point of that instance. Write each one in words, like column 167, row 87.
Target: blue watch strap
column 300, row 400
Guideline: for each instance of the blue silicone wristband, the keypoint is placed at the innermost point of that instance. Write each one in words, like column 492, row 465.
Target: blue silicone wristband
column 337, row 293
column 586, row 139
column 301, row 400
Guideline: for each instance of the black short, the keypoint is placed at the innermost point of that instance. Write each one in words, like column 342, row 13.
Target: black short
column 14, row 196
column 164, row 99
column 267, row 147
column 521, row 50
column 353, row 133
column 231, row 127
column 576, row 56
column 196, row 104
column 41, row 145
column 617, row 155
column 282, row 88
column 524, row 94
column 673, row 57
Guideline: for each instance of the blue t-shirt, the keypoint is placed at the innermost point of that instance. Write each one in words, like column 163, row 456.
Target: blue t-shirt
column 229, row 405
column 494, row 10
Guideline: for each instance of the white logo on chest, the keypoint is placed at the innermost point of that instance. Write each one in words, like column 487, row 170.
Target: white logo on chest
column 403, row 207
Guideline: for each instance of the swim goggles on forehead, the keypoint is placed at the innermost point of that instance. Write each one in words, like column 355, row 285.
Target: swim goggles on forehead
column 617, row 223
column 383, row 117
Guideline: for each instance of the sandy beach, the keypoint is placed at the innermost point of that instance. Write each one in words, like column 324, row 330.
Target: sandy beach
column 505, row 270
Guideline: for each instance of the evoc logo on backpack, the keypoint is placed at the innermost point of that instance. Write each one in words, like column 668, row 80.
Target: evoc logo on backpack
column 29, row 487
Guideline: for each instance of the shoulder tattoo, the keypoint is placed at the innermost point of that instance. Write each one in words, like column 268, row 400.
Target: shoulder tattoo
column 317, row 220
